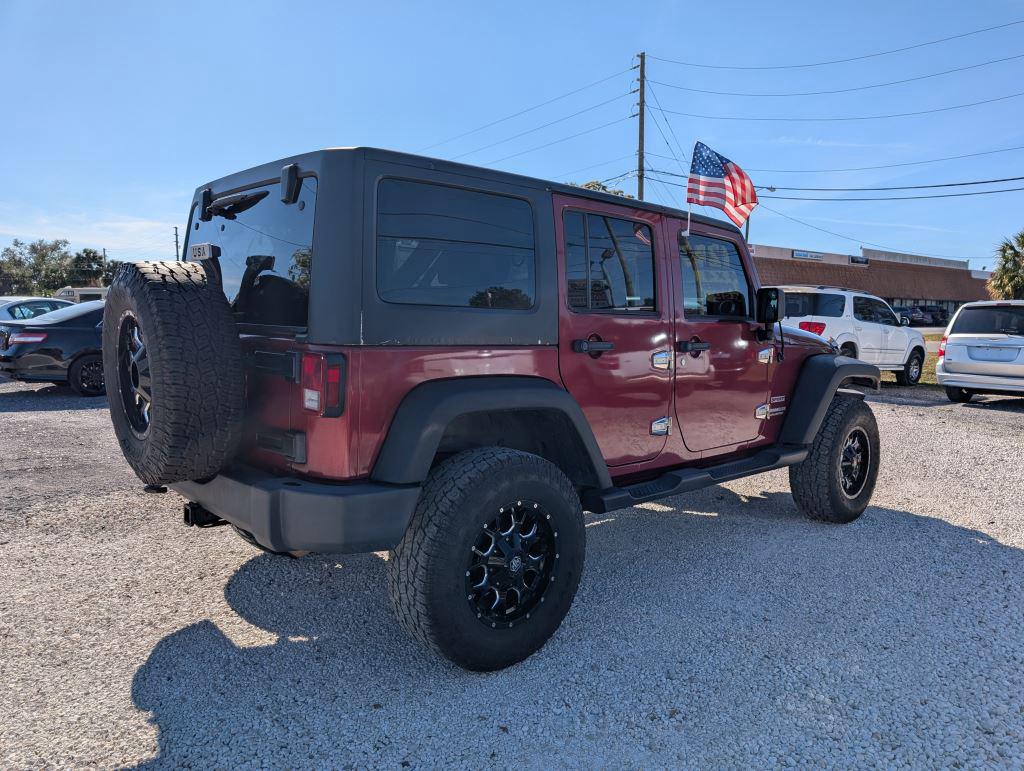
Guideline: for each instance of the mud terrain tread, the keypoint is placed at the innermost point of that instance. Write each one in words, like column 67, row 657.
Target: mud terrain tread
column 196, row 367
column 423, row 544
column 813, row 481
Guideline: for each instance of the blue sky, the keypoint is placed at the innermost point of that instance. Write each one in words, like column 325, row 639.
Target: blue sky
column 115, row 112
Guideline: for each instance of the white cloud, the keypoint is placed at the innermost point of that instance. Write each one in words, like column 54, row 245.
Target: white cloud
column 123, row 236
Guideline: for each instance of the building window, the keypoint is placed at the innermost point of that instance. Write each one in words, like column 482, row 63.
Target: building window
column 857, row 259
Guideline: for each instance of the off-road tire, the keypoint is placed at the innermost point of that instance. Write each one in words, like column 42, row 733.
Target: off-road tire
column 195, row 365
column 816, row 483
column 959, row 395
column 78, row 367
column 907, row 376
column 427, row 571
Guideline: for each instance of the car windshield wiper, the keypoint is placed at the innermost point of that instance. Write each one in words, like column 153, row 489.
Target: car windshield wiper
column 230, row 206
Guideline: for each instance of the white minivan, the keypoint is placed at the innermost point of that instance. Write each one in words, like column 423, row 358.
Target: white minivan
column 982, row 350
column 861, row 325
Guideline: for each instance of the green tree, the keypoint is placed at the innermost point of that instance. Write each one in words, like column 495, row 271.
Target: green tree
column 86, row 268
column 602, row 188
column 1007, row 282
column 38, row 267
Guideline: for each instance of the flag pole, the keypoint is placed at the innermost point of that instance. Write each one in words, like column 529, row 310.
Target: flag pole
column 689, row 210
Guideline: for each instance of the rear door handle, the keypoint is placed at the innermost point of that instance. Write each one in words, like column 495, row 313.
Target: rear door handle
column 692, row 346
column 592, row 346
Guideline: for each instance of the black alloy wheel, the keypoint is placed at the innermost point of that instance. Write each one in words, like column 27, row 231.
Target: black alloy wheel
column 86, row 376
column 512, row 564
column 855, row 462
column 135, row 380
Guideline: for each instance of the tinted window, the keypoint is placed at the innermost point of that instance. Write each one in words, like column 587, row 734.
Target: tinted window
column 266, row 252
column 32, row 309
column 714, row 281
column 863, row 310
column 609, row 263
column 990, row 319
column 814, row 304
column 883, row 314
column 440, row 245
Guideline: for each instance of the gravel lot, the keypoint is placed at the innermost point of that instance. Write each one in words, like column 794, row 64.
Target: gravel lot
column 717, row 629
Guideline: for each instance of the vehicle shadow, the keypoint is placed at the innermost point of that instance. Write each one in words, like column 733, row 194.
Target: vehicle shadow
column 46, row 398
column 998, row 403
column 699, row 621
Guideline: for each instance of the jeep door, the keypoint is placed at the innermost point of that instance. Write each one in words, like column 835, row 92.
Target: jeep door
column 722, row 368
column 615, row 324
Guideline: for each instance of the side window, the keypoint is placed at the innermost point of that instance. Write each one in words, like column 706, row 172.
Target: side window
column 609, row 263
column 883, row 315
column 862, row 309
column 714, row 281
column 440, row 245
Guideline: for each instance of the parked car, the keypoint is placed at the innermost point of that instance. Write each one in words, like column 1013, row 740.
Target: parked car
column 939, row 315
column 982, row 351
column 915, row 316
column 475, row 358
column 862, row 326
column 62, row 346
column 927, row 319
column 20, row 308
column 82, row 294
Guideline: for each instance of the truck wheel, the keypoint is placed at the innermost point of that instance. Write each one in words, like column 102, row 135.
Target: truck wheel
column 85, row 376
column 835, row 482
column 490, row 562
column 173, row 366
column 911, row 372
column 848, row 350
column 959, row 395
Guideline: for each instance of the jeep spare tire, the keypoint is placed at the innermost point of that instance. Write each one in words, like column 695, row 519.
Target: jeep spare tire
column 172, row 362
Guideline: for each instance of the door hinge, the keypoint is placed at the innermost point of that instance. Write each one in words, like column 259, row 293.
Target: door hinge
column 764, row 356
column 661, row 359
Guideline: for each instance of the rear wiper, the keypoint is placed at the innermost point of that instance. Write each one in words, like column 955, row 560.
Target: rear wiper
column 229, row 206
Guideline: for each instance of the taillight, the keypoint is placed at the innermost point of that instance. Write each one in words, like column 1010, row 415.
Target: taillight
column 815, row 327
column 26, row 337
column 942, row 346
column 322, row 379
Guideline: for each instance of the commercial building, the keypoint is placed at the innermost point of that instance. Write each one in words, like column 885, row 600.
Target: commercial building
column 900, row 279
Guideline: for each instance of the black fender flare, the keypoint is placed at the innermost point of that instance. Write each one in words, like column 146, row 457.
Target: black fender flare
column 819, row 379
column 426, row 411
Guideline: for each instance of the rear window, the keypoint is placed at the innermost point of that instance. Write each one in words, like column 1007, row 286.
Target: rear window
column 990, row 319
column 266, row 252
column 87, row 313
column 814, row 304
column 440, row 245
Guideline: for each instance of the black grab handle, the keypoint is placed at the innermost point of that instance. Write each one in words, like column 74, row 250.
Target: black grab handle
column 592, row 346
column 692, row 346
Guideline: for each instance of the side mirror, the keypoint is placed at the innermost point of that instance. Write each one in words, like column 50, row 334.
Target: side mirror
column 770, row 304
column 904, row 321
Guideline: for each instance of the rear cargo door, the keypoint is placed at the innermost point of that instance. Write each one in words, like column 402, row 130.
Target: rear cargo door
column 987, row 340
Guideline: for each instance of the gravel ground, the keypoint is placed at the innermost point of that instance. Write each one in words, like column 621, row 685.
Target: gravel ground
column 716, row 629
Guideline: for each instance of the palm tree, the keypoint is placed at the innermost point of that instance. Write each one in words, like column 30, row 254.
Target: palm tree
column 1007, row 282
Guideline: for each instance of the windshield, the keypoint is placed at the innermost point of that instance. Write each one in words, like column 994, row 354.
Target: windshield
column 266, row 251
column 989, row 320
column 68, row 312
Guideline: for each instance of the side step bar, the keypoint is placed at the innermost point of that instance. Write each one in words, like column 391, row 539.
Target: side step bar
column 688, row 479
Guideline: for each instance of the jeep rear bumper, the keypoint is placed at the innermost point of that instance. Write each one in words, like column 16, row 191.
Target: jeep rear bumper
column 290, row 514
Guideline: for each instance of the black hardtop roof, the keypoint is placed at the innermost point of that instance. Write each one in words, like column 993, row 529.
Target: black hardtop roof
column 270, row 171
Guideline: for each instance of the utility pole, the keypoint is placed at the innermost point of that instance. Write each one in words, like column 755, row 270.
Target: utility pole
column 176, row 257
column 640, row 134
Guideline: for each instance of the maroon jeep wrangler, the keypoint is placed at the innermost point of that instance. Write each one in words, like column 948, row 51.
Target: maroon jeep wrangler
column 366, row 350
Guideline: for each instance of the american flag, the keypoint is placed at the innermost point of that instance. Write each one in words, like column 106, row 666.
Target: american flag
column 717, row 181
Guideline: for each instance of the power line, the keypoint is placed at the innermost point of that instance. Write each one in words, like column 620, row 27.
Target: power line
column 563, row 139
column 838, row 90
column 526, row 110
column 836, row 61
column 538, row 128
column 879, row 198
column 885, row 165
column 773, row 188
column 846, row 118
column 894, row 197
column 664, row 117
column 857, row 240
column 595, row 165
